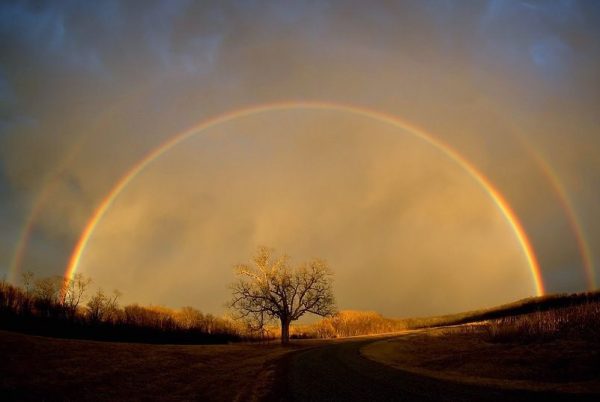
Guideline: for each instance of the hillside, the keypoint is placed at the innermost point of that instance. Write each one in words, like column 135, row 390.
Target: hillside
column 524, row 306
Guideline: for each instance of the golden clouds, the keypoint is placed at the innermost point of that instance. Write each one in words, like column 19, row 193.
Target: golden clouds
column 406, row 230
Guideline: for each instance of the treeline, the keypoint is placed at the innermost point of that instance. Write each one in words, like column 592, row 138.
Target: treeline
column 349, row 323
column 541, row 316
column 60, row 307
column 65, row 308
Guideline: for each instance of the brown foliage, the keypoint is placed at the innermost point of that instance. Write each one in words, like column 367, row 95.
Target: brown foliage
column 52, row 306
column 355, row 323
column 582, row 321
column 103, row 308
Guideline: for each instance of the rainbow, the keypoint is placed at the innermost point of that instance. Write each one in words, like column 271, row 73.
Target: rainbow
column 50, row 185
column 52, row 180
column 565, row 203
column 25, row 235
column 572, row 218
column 176, row 139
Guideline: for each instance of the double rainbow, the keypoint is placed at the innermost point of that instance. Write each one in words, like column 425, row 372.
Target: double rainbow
column 566, row 204
column 394, row 121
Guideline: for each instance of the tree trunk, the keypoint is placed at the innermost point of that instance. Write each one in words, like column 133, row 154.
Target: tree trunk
column 285, row 331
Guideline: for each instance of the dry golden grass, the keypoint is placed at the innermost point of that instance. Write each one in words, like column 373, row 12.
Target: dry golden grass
column 551, row 302
column 573, row 322
column 354, row 323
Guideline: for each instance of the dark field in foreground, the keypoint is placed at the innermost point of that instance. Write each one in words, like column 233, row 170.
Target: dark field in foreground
column 551, row 352
column 467, row 354
column 39, row 368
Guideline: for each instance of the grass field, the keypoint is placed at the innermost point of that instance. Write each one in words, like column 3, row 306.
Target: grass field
column 549, row 310
column 551, row 345
column 467, row 354
column 40, row 368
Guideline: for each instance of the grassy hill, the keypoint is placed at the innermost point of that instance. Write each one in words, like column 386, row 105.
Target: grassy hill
column 520, row 307
column 542, row 312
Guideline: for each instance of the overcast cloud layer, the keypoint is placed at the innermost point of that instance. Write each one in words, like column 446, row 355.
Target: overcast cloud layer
column 87, row 89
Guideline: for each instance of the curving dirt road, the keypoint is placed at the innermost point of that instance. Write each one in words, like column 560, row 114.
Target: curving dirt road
column 338, row 372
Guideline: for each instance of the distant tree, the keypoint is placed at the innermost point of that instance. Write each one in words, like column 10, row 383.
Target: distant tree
column 28, row 278
column 48, row 289
column 73, row 291
column 101, row 307
column 272, row 290
column 46, row 292
column 188, row 318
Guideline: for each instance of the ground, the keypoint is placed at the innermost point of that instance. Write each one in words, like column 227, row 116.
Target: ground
column 36, row 368
column 457, row 354
column 39, row 368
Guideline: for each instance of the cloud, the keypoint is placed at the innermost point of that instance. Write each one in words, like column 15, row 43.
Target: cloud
column 385, row 209
column 86, row 91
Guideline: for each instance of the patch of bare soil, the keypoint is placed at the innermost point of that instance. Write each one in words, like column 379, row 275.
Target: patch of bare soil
column 567, row 365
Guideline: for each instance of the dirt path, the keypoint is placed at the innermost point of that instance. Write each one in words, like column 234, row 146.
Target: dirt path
column 338, row 372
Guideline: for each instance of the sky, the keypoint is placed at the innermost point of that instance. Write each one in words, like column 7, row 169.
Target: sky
column 510, row 88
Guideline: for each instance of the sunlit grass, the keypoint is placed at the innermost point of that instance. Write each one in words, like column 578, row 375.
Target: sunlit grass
column 579, row 321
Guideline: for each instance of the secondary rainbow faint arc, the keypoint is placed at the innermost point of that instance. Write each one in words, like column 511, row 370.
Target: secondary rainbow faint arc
column 51, row 182
column 567, row 205
column 572, row 218
column 496, row 196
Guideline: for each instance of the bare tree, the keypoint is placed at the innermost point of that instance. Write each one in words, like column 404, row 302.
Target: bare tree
column 46, row 292
column 189, row 318
column 271, row 289
column 101, row 307
column 28, row 278
column 73, row 291
column 256, row 323
column 48, row 289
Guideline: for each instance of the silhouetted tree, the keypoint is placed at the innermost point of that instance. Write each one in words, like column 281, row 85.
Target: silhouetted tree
column 46, row 292
column 52, row 306
column 188, row 318
column 271, row 289
column 102, row 307
column 28, row 277
column 73, row 291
